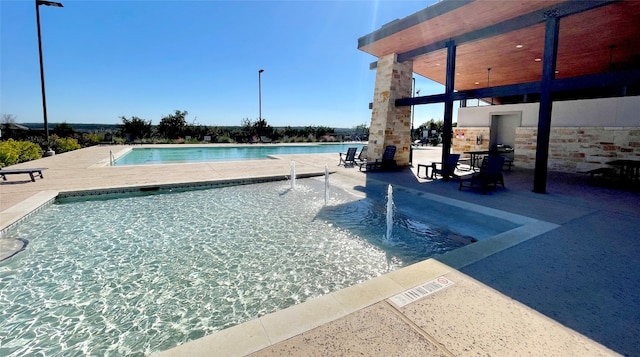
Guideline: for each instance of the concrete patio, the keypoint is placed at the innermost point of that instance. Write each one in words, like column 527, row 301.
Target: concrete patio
column 567, row 283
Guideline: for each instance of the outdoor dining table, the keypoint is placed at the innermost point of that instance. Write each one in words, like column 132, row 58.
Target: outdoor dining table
column 628, row 170
column 474, row 156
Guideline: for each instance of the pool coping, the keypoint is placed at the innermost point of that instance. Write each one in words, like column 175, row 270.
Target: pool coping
column 113, row 157
column 16, row 214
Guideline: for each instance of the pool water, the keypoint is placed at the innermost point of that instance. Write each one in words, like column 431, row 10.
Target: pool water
column 145, row 156
column 137, row 275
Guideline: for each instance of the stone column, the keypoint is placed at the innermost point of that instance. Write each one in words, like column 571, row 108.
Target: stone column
column 391, row 125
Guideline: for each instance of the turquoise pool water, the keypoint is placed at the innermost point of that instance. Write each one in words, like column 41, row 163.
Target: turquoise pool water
column 138, row 274
column 145, row 156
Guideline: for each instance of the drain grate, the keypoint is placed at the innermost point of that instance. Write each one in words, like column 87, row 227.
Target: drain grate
column 421, row 291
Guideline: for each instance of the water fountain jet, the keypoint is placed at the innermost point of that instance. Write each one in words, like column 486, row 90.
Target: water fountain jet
column 326, row 185
column 389, row 213
column 292, row 172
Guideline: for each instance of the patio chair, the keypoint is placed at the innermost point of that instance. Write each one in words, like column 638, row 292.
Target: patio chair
column 108, row 140
column 445, row 169
column 361, row 160
column 349, row 157
column 387, row 162
column 31, row 172
column 490, row 174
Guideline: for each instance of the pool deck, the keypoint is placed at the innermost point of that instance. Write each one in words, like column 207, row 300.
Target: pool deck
column 567, row 283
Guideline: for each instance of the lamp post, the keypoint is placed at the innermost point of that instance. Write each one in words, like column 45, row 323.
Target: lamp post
column 260, row 95
column 413, row 94
column 49, row 152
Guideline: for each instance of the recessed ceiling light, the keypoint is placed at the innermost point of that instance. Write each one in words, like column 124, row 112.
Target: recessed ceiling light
column 437, row 64
column 538, row 59
column 519, row 46
column 557, row 72
column 477, row 83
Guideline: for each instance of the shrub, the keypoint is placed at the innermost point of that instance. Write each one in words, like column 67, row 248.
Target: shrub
column 60, row 145
column 14, row 152
column 89, row 139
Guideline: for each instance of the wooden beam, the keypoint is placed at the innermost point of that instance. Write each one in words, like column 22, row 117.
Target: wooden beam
column 533, row 18
column 610, row 79
column 417, row 18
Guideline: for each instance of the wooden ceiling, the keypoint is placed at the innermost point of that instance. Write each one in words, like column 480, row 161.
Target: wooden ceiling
column 514, row 56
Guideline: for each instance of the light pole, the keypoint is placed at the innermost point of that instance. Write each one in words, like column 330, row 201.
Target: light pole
column 260, row 95
column 413, row 94
column 49, row 152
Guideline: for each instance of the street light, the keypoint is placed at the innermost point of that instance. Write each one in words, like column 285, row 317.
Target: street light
column 44, row 98
column 260, row 95
column 413, row 94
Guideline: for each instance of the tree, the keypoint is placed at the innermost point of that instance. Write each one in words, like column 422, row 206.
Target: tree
column 63, row 130
column 433, row 129
column 361, row 131
column 172, row 125
column 8, row 118
column 136, row 127
column 259, row 127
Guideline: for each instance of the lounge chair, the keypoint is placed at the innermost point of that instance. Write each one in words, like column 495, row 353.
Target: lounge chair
column 349, row 157
column 446, row 169
column 265, row 140
column 361, row 160
column 31, row 172
column 490, row 174
column 387, row 162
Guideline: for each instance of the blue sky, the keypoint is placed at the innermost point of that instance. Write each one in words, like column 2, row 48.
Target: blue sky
column 106, row 59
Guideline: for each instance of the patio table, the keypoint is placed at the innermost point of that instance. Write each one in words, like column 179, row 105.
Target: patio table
column 476, row 155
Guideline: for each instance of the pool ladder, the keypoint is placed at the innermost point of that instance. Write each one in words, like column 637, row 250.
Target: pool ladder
column 111, row 158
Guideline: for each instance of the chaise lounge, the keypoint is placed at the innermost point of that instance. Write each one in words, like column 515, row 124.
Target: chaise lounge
column 348, row 158
column 387, row 163
column 361, row 160
column 31, row 172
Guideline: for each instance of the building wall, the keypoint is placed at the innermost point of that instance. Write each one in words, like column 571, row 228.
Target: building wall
column 604, row 112
column 585, row 134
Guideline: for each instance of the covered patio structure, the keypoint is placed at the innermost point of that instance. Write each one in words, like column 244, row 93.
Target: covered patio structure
column 502, row 53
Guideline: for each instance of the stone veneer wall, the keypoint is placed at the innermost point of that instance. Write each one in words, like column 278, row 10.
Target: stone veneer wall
column 571, row 149
column 464, row 139
column 391, row 125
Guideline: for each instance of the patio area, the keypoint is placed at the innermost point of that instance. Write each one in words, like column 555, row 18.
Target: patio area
column 567, row 284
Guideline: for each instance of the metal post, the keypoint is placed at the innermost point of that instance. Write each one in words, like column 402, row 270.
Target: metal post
column 260, row 94
column 552, row 28
column 448, row 102
column 49, row 152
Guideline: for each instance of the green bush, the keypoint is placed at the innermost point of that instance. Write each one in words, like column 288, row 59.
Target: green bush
column 14, row 152
column 60, row 145
column 224, row 139
column 89, row 140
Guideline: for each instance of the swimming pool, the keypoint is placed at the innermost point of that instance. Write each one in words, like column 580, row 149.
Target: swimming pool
column 138, row 274
column 145, row 156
